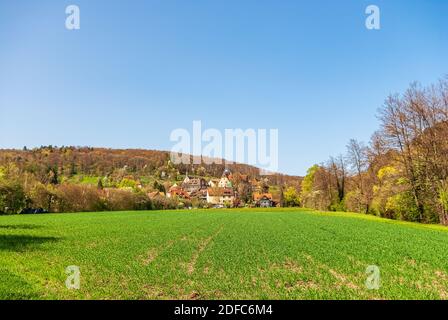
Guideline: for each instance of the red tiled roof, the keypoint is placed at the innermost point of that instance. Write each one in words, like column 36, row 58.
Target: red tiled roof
column 179, row 192
column 258, row 196
column 218, row 192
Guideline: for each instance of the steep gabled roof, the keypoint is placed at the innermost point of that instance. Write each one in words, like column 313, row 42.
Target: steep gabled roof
column 259, row 196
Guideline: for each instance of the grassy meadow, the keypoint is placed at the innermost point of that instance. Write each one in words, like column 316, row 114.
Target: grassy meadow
column 220, row 254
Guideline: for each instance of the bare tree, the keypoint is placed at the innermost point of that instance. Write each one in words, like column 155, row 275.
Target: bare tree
column 397, row 133
column 416, row 125
column 357, row 158
column 338, row 170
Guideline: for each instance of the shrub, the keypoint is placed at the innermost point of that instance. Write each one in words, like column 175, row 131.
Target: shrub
column 117, row 200
column 12, row 197
column 77, row 198
column 291, row 197
column 354, row 201
column 402, row 206
column 338, row 206
column 162, row 203
column 43, row 196
column 127, row 183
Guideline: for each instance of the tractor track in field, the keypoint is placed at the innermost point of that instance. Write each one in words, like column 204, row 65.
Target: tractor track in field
column 202, row 246
column 154, row 252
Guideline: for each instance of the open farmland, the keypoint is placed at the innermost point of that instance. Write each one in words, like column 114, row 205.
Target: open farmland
column 220, row 254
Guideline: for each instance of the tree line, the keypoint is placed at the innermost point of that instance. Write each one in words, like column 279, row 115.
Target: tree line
column 73, row 179
column 402, row 173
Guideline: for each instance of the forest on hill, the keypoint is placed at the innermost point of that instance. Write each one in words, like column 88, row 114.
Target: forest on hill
column 66, row 179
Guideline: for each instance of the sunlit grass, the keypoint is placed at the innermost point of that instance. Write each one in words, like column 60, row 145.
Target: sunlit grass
column 220, row 254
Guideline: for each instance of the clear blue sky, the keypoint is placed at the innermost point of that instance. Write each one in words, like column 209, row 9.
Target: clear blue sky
column 139, row 69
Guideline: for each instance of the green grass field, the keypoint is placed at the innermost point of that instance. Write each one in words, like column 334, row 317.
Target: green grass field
column 220, row 254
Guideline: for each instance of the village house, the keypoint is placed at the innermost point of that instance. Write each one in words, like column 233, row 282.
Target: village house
column 213, row 183
column 192, row 185
column 176, row 191
column 263, row 200
column 220, row 196
column 215, row 192
column 225, row 182
column 200, row 194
